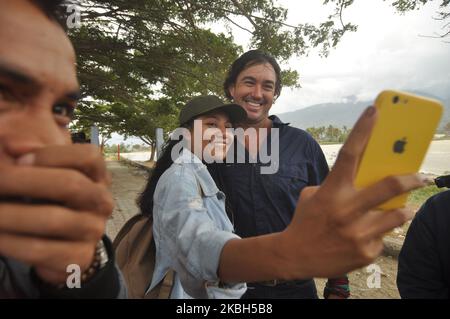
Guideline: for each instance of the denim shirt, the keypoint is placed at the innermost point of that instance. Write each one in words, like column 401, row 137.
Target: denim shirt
column 190, row 228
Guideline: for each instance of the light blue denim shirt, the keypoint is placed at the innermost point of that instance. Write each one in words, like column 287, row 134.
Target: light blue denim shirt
column 190, row 227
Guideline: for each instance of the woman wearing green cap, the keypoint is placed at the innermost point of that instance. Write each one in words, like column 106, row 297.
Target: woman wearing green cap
column 190, row 225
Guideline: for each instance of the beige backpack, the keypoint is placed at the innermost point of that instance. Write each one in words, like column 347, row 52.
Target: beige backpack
column 135, row 255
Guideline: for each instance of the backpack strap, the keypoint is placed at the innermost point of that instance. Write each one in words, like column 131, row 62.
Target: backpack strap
column 167, row 286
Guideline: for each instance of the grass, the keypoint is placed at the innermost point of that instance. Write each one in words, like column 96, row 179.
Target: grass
column 419, row 196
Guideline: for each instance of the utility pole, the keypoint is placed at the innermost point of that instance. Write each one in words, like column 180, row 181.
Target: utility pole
column 94, row 135
column 159, row 141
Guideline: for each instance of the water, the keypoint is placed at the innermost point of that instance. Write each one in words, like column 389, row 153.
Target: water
column 136, row 156
column 437, row 160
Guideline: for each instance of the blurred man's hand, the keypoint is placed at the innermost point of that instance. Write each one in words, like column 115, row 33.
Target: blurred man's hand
column 52, row 236
column 335, row 228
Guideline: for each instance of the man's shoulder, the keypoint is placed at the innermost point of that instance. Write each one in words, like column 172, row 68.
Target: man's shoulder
column 435, row 211
column 297, row 136
column 438, row 202
column 300, row 133
column 442, row 198
column 291, row 130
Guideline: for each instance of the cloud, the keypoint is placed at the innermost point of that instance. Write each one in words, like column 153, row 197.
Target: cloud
column 387, row 51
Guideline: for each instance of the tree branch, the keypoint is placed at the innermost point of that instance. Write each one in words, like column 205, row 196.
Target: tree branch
column 244, row 13
column 241, row 27
column 340, row 14
column 148, row 142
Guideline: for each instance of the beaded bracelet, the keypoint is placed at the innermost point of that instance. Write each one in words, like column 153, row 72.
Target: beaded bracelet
column 100, row 260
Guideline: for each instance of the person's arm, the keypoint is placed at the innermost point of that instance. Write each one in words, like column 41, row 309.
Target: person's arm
column 420, row 273
column 335, row 288
column 333, row 230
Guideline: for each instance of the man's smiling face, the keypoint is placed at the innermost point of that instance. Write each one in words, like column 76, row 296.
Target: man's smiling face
column 254, row 90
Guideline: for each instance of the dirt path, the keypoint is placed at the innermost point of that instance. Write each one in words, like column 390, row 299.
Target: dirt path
column 128, row 182
column 363, row 284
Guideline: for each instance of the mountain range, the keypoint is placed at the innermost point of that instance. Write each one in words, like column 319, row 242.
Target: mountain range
column 343, row 114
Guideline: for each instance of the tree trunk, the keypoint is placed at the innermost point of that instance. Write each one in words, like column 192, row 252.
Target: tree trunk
column 103, row 143
column 152, row 147
column 152, row 151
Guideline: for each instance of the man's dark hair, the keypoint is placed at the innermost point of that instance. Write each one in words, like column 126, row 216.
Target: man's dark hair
column 79, row 138
column 248, row 59
column 54, row 10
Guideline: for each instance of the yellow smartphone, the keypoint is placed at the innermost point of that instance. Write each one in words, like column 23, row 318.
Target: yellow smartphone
column 400, row 139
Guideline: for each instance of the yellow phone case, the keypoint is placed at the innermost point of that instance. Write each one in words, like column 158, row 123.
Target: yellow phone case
column 400, row 139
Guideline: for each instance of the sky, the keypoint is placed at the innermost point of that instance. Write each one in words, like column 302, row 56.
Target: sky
column 388, row 51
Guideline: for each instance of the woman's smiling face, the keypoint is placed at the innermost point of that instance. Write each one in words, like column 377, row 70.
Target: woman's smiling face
column 215, row 138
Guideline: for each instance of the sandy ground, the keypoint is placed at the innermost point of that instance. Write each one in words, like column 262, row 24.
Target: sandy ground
column 364, row 283
column 128, row 182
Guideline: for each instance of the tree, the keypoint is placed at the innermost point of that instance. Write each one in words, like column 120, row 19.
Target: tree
column 344, row 134
column 142, row 119
column 313, row 131
column 110, row 149
column 447, row 128
column 403, row 6
column 135, row 55
column 329, row 134
column 130, row 51
column 98, row 115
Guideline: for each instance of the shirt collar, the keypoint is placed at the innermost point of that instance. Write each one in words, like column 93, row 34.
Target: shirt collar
column 276, row 122
column 204, row 178
column 187, row 157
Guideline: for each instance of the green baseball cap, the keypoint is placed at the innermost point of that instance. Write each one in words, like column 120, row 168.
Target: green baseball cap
column 207, row 103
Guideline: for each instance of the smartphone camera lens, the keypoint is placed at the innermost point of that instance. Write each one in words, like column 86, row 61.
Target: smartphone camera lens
column 395, row 99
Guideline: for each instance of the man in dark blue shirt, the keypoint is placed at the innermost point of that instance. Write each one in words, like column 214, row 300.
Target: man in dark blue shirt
column 265, row 203
column 261, row 203
column 424, row 261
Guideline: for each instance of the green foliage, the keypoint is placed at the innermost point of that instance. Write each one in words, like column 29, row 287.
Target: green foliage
column 136, row 58
column 110, row 149
column 419, row 196
column 94, row 114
